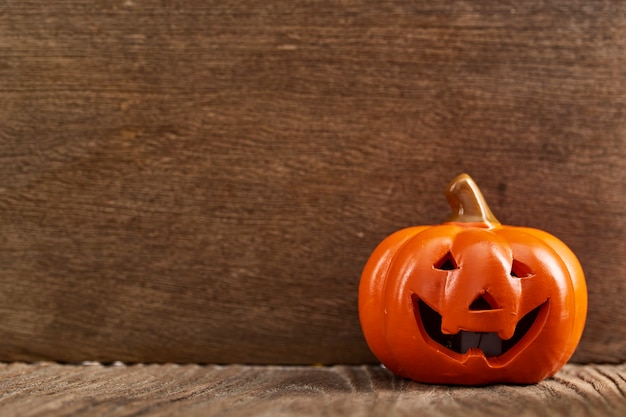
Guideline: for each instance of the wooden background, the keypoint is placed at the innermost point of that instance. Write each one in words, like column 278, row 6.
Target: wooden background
column 203, row 181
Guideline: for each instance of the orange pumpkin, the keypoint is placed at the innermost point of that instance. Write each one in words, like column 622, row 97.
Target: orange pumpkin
column 472, row 301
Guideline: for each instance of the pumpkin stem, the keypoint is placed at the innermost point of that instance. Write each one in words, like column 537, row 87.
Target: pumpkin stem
column 468, row 204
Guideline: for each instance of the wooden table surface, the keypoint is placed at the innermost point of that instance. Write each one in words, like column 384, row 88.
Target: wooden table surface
column 52, row 390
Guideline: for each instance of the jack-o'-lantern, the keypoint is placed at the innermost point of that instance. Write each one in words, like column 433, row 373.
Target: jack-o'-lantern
column 472, row 301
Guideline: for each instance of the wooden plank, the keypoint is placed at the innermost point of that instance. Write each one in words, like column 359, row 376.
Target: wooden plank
column 235, row 390
column 202, row 181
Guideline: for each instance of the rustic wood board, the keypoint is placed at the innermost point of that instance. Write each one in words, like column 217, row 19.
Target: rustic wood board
column 203, row 181
column 165, row 390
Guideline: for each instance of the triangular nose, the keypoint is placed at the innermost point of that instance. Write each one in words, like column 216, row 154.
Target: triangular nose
column 483, row 302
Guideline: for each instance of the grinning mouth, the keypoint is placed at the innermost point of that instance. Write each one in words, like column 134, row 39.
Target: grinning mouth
column 488, row 342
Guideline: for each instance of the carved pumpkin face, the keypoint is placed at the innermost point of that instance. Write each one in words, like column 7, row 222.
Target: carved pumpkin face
column 472, row 302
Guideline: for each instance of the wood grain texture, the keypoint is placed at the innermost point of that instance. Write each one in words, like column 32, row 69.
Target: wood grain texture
column 191, row 390
column 203, row 181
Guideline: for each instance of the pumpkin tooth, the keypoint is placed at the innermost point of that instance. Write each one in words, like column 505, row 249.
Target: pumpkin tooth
column 489, row 343
column 464, row 341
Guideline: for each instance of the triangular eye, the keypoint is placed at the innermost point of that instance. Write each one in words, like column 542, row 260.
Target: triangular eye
column 447, row 263
column 520, row 270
